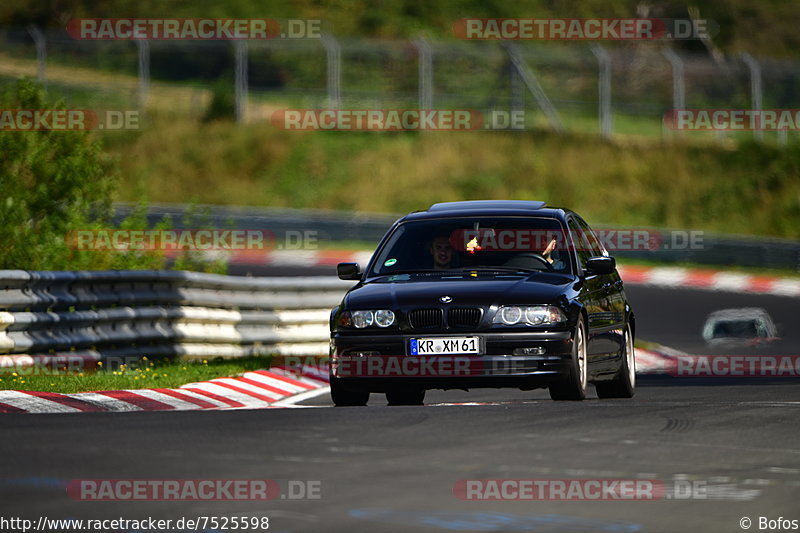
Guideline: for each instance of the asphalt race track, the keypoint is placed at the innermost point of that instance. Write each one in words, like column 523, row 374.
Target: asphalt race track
column 394, row 468
column 675, row 317
column 733, row 443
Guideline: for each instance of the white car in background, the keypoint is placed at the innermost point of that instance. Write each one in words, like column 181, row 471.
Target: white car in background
column 746, row 326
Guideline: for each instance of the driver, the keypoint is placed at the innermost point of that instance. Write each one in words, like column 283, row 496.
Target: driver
column 442, row 252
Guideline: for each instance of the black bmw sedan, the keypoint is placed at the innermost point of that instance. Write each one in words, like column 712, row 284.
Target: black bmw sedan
column 494, row 293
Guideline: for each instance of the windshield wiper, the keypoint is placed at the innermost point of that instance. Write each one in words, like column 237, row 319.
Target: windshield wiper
column 500, row 269
column 461, row 270
column 421, row 271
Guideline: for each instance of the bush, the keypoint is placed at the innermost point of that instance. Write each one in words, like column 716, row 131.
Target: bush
column 223, row 101
column 53, row 183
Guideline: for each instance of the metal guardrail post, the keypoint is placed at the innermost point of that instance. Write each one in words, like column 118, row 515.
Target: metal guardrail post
column 604, row 89
column 40, row 41
column 241, row 80
column 755, row 89
column 534, row 87
column 143, row 47
column 425, row 72
column 334, row 55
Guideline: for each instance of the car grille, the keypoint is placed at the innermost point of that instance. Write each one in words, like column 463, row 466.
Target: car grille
column 463, row 317
column 425, row 318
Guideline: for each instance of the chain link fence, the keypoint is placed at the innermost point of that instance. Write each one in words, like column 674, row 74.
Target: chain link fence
column 610, row 89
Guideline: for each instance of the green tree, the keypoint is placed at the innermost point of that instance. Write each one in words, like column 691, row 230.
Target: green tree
column 53, row 183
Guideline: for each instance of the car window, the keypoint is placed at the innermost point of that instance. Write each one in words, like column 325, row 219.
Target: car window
column 473, row 243
column 580, row 242
column 596, row 249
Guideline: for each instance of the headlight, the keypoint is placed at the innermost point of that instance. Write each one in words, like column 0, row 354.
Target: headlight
column 384, row 318
column 363, row 319
column 532, row 315
column 510, row 315
column 539, row 315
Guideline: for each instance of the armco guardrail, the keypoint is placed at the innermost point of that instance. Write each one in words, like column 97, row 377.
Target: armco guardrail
column 100, row 314
column 329, row 227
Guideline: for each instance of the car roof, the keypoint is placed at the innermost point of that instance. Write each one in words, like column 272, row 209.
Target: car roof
column 743, row 313
column 488, row 208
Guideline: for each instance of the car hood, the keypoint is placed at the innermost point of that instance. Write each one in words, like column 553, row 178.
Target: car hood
column 404, row 291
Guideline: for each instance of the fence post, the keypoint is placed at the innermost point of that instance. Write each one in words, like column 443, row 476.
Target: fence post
column 783, row 137
column 533, row 86
column 425, row 72
column 678, row 79
column 755, row 89
column 604, row 89
column 143, row 46
column 334, row 55
column 40, row 41
column 517, row 93
column 241, row 80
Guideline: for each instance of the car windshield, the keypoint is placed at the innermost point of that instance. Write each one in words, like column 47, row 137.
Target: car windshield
column 475, row 243
column 742, row 329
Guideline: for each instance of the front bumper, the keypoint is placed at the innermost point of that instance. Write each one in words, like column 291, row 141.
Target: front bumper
column 524, row 360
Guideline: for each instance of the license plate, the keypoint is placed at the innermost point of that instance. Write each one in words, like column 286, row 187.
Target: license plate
column 445, row 346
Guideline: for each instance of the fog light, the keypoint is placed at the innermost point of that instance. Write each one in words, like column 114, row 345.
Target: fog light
column 529, row 351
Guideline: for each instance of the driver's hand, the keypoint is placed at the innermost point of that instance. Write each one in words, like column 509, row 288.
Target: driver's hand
column 550, row 247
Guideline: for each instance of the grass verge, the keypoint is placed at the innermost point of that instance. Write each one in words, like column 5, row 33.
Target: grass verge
column 148, row 374
column 748, row 189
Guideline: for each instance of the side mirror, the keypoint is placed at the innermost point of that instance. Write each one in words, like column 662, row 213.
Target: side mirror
column 601, row 265
column 348, row 271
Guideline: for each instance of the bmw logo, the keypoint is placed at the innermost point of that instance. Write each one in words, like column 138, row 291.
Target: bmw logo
column 445, row 299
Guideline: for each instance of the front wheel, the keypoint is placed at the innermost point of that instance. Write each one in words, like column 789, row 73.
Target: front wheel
column 574, row 386
column 624, row 383
column 347, row 396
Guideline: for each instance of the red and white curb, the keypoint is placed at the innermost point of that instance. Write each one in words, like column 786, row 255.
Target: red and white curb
column 261, row 389
column 714, row 280
column 651, row 362
column 276, row 387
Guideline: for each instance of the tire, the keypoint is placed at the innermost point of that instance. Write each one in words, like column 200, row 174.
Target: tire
column 347, row 396
column 624, row 383
column 405, row 396
column 574, row 386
